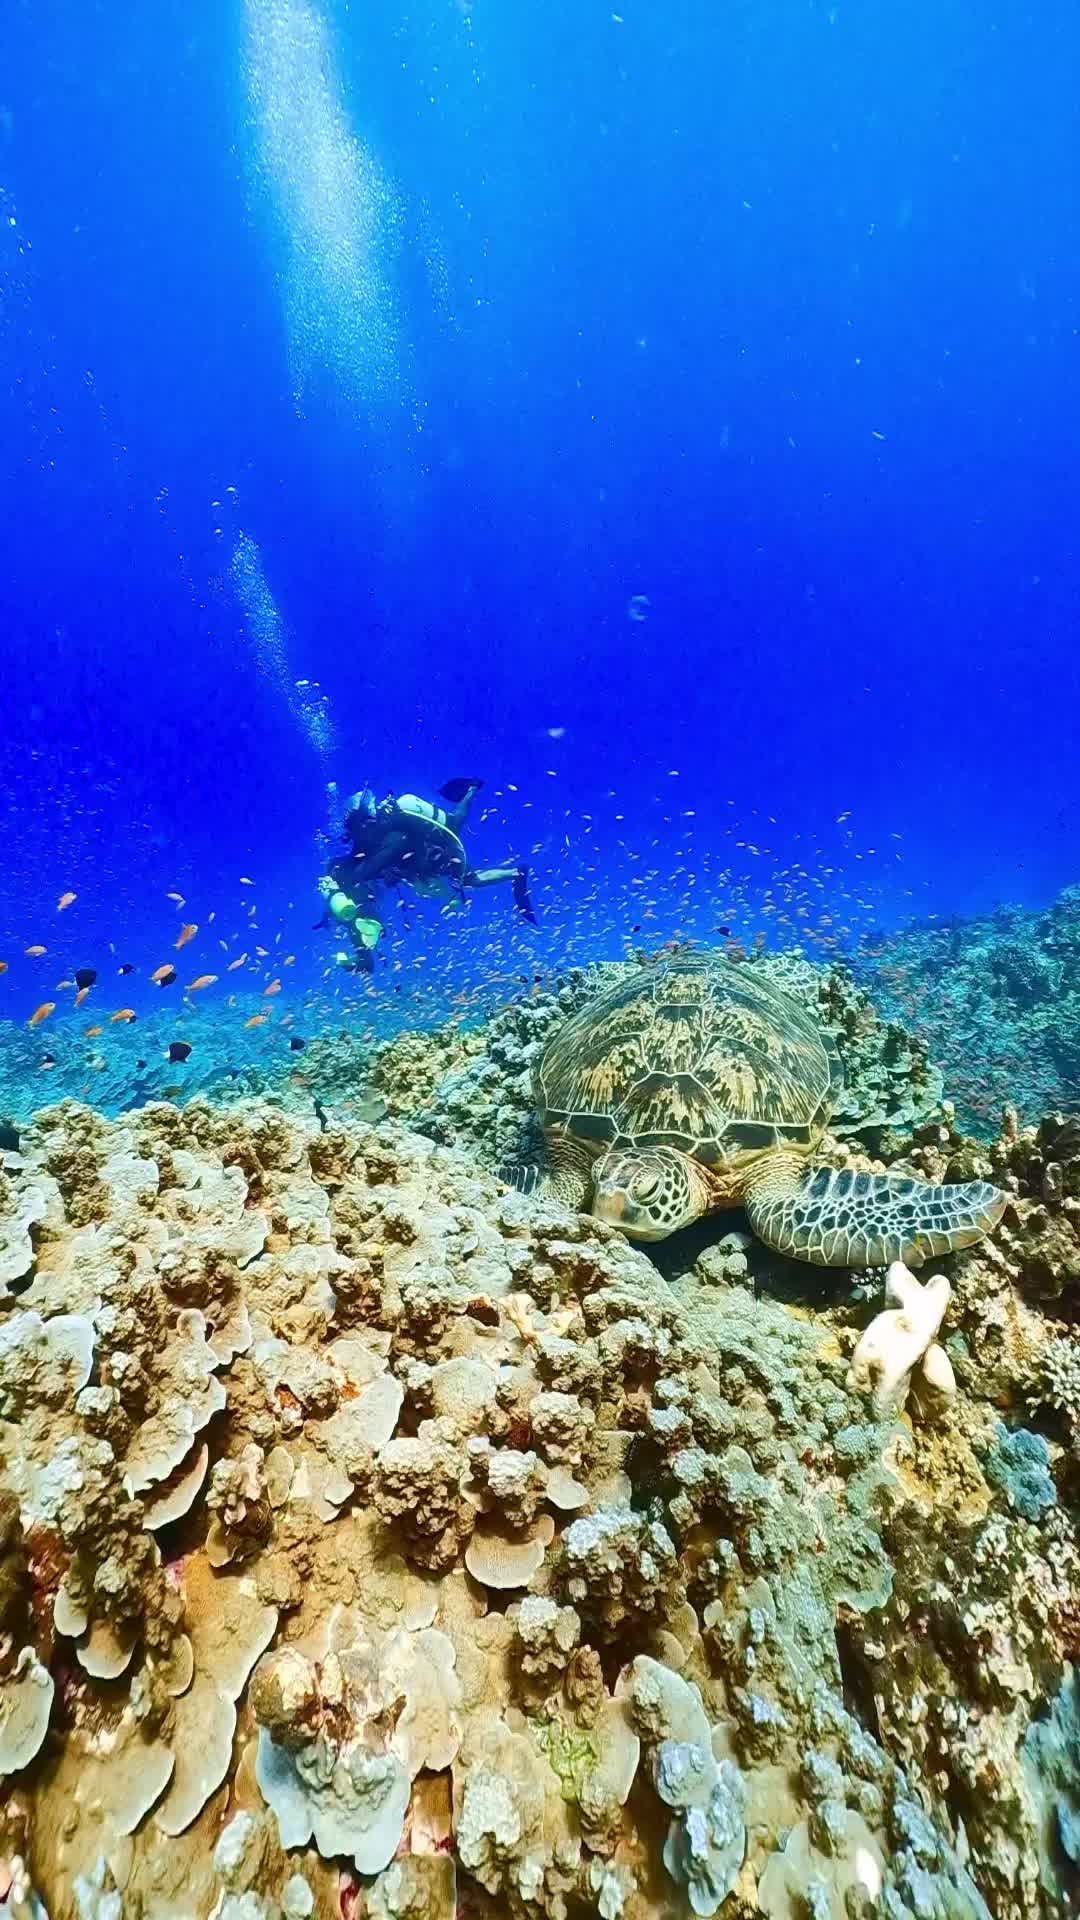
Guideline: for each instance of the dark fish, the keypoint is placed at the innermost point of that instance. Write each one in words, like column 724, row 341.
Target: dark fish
column 179, row 1050
column 85, row 976
column 140, row 1064
column 167, row 978
column 297, row 1044
column 126, row 968
column 9, row 1137
column 637, row 928
column 726, row 931
column 456, row 790
column 48, row 1059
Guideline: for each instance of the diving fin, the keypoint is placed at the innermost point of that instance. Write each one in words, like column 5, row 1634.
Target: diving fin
column 521, row 895
column 456, row 790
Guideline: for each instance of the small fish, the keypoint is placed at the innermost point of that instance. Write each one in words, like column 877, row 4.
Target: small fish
column 164, row 975
column 65, row 900
column 245, row 881
column 48, row 1060
column 84, row 978
column 81, row 996
column 274, row 987
column 41, row 1013
column 233, row 964
column 204, row 980
column 289, row 960
column 178, row 897
column 178, row 1050
column 125, row 1013
column 140, row 1064
column 34, row 951
column 841, row 817
column 9, row 1137
column 263, row 953
column 186, row 933
column 171, row 1092
column 92, row 1032
column 725, row 931
column 126, row 968
column 3, row 966
column 257, row 1020
column 297, row 1044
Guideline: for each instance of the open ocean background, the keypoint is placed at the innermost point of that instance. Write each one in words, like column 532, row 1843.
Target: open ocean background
column 668, row 413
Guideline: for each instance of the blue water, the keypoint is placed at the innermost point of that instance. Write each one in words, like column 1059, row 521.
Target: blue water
column 696, row 382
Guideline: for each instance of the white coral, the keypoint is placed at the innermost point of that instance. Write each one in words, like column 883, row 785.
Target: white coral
column 901, row 1341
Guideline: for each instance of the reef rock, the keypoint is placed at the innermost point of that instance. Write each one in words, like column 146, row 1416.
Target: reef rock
column 375, row 1541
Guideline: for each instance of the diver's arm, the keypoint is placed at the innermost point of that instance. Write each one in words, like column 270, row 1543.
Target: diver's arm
column 389, row 849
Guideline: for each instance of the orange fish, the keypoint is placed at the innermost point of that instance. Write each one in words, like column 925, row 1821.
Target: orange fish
column 3, row 966
column 233, row 964
column 92, row 1032
column 125, row 1013
column 81, row 996
column 274, row 987
column 257, row 1020
column 159, row 973
column 65, row 900
column 35, row 950
column 186, row 933
column 204, row 980
column 41, row 1013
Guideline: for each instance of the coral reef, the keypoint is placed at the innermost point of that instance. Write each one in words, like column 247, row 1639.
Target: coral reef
column 377, row 1542
column 996, row 1000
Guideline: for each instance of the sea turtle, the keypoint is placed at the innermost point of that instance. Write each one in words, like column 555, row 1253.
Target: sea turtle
column 696, row 1084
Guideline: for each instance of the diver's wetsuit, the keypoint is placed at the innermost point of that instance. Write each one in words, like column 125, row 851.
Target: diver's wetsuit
column 413, row 841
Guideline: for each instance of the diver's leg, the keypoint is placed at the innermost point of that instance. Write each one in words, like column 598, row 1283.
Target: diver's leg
column 456, row 816
column 494, row 876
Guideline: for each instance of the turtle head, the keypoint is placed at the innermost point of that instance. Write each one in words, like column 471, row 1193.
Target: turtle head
column 648, row 1192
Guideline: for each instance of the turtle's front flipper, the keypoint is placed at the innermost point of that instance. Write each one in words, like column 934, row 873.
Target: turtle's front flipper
column 567, row 1178
column 845, row 1219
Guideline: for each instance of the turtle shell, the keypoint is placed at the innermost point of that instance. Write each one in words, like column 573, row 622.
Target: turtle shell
column 696, row 1053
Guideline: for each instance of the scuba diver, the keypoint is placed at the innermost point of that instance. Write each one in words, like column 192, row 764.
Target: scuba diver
column 404, row 840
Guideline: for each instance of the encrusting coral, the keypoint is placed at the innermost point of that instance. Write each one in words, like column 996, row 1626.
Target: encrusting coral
column 377, row 1542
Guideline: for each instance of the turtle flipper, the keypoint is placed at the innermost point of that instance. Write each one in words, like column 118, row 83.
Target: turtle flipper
column 846, row 1219
column 566, row 1179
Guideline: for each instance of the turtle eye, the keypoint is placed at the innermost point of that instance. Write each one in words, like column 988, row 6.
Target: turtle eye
column 646, row 1187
